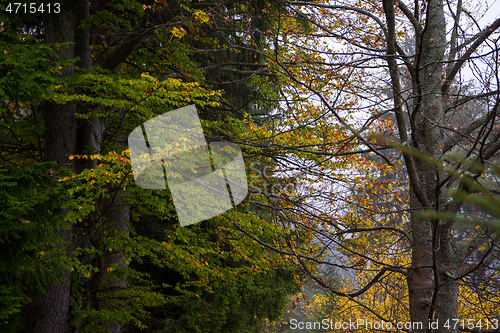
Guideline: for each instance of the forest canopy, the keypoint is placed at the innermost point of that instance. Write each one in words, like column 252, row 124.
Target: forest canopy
column 370, row 136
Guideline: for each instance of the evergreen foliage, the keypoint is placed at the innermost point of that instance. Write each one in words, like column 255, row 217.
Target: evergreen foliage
column 130, row 262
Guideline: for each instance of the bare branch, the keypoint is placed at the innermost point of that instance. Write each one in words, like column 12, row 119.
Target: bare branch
column 480, row 38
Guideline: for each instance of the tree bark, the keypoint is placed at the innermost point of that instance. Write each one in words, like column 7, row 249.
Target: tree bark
column 50, row 313
column 119, row 218
column 420, row 278
column 433, row 292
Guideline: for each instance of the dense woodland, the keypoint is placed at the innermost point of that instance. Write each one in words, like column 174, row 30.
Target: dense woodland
column 370, row 132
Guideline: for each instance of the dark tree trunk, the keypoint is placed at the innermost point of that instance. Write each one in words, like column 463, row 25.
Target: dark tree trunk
column 50, row 313
column 118, row 218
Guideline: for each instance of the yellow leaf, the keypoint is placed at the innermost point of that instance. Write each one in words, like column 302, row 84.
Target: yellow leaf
column 178, row 32
column 201, row 17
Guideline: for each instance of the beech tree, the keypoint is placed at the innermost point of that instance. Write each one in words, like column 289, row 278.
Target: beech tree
column 388, row 127
column 91, row 250
column 370, row 131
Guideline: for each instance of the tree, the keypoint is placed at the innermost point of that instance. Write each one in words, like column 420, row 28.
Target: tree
column 356, row 63
column 101, row 69
column 362, row 124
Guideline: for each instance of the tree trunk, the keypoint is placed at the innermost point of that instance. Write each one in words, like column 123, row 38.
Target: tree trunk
column 50, row 313
column 118, row 217
column 420, row 281
column 433, row 292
